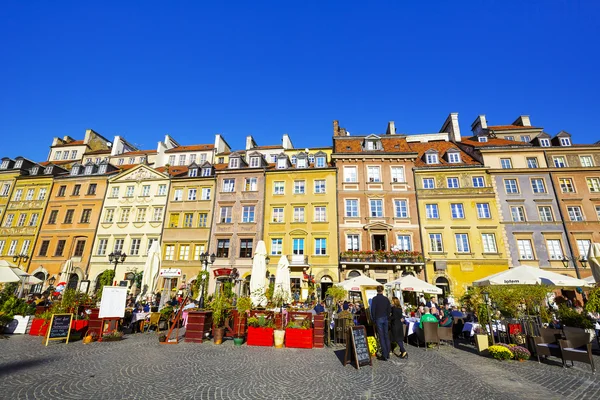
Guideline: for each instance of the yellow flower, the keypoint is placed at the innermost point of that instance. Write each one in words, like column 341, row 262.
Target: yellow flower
column 372, row 345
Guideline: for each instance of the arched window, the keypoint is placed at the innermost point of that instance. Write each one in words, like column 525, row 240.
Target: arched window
column 443, row 284
column 353, row 274
column 38, row 288
column 73, row 281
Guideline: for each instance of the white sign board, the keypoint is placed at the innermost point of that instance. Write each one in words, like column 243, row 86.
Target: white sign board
column 170, row 273
column 113, row 302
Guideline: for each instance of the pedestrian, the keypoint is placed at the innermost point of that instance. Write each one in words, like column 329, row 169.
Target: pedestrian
column 397, row 328
column 380, row 313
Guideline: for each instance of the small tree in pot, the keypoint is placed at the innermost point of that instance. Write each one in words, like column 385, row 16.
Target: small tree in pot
column 243, row 305
column 219, row 305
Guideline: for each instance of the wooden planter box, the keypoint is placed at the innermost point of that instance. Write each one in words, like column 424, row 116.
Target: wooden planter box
column 199, row 325
column 94, row 323
column 79, row 327
column 299, row 338
column 319, row 331
column 260, row 336
column 39, row 327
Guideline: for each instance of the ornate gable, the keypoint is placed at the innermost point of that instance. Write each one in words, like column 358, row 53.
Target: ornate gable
column 140, row 173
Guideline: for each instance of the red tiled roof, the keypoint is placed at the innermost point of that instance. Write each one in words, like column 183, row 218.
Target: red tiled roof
column 73, row 143
column 492, row 142
column 508, row 127
column 354, row 145
column 442, row 148
column 193, row 147
column 137, row 153
column 58, row 162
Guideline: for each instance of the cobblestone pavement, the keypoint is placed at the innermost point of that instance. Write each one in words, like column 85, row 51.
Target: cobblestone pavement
column 140, row 368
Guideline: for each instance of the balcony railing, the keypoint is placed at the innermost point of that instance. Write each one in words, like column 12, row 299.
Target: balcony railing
column 384, row 257
column 297, row 260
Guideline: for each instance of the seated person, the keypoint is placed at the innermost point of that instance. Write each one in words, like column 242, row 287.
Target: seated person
column 426, row 317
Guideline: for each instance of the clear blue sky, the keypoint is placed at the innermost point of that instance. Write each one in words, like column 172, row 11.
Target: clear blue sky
column 148, row 68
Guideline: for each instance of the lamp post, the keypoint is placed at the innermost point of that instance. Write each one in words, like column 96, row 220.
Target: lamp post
column 18, row 258
column 583, row 260
column 116, row 258
column 565, row 261
column 328, row 303
column 51, row 282
column 205, row 259
column 486, row 298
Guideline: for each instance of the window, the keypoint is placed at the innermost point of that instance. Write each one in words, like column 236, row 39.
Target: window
column 320, row 246
column 374, row 173
column 276, row 246
column 41, row 194
column 517, row 213
column 184, row 252
column 29, row 195
column 198, row 250
column 145, row 190
column 234, row 163
column 246, row 246
column 566, row 185
column 482, row 139
column 457, row 211
column 320, row 162
column 172, row 160
column 109, row 215
column 229, row 185
column 19, row 194
column 593, row 184
column 544, row 142
column 352, row 242
column 69, row 216
column 299, row 187
column 298, row 246
column 583, row 246
column 4, row 164
column 150, row 243
column 178, row 195
column 193, row 172
column 532, row 162
column 25, row 246
column 250, row 184
column 157, row 214
column 114, row 191
column 92, row 189
column 57, row 155
column 403, row 242
column 76, row 190
column 278, row 187
column 351, row 208
column 140, row 215
column 169, row 251
column 489, row 243
column 202, row 220
column 454, row 157
column 162, row 190
column 12, row 250
column 575, row 213
column 525, row 249
column 564, row 141
column 182, row 158
column 505, row 163
column 478, row 181
column 431, row 211
column 174, row 220
column 301, row 163
column 202, row 158
column 554, row 249
column 319, row 185
column 298, row 214
column 431, row 158
column 320, row 214
column 43, row 248
column 205, row 194
column 282, row 163
column 462, row 242
column 85, row 216
column 48, row 170
column 428, row 183
column 191, row 194
column 586, row 161
column 537, row 184
column 376, row 206
column 435, row 243
column 3, row 243
column 89, row 169
column 509, row 138
column 65, row 155
column 598, row 212
column 398, row 174
column 278, row 214
column 129, row 191
column 452, row 183
column 483, row 211
column 22, row 219
column 221, row 160
column 525, row 138
column 34, row 219
column 125, row 215
column 79, row 247
column 350, row 174
column 60, row 248
column 9, row 220
column 545, row 213
column 510, row 185
column 248, row 214
column 121, row 161
column 5, row 190
column 226, row 215
column 559, row 162
column 52, row 218
column 254, row 162
column 401, row 208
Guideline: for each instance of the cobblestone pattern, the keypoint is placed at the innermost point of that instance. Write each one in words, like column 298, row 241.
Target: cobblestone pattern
column 140, row 368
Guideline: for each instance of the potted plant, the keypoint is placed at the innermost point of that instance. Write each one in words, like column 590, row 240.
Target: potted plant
column 299, row 334
column 243, row 305
column 500, row 352
column 278, row 299
column 113, row 336
column 16, row 314
column 219, row 305
column 260, row 331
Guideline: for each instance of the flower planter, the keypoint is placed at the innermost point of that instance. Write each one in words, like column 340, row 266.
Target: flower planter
column 278, row 337
column 299, row 338
column 18, row 325
column 39, row 327
column 260, row 336
column 79, row 325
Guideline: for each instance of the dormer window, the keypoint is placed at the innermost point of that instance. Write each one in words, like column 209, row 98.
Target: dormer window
column 75, row 170
column 66, row 155
column 73, row 154
column 294, row 158
column 482, row 139
column 193, row 172
column 273, row 158
column 565, row 141
column 320, row 162
column 206, row 171
column 509, row 138
column 4, row 164
column 121, row 161
column 431, row 158
column 142, row 160
column 48, row 169
column 234, row 163
column 89, row 169
column 35, row 170
column 301, row 163
column 454, row 158
column 254, row 162
column 87, row 160
column 102, row 169
column 311, row 158
column 373, row 145
column 525, row 138
column 131, row 160
column 544, row 142
column 18, row 163
column 281, row 163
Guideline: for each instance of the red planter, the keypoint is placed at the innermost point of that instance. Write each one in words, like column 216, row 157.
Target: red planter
column 80, row 326
column 299, row 338
column 39, row 327
column 260, row 336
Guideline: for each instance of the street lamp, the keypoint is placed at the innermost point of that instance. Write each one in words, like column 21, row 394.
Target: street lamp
column 583, row 260
column 20, row 257
column 116, row 258
column 51, row 282
column 486, row 298
column 565, row 261
column 328, row 303
column 205, row 259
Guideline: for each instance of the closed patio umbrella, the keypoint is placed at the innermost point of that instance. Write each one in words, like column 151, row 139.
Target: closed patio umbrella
column 66, row 271
column 282, row 279
column 257, row 278
column 593, row 257
column 150, row 271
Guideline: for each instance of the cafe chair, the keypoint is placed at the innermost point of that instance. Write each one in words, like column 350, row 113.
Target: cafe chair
column 445, row 334
column 153, row 321
column 430, row 333
column 577, row 347
column 547, row 344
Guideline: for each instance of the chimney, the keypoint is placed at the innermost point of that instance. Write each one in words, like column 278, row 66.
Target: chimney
column 479, row 124
column 286, row 142
column 391, row 128
column 67, row 139
column 336, row 127
column 250, row 143
column 523, row 120
column 451, row 127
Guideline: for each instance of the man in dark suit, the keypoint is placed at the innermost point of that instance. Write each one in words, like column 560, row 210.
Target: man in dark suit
column 380, row 313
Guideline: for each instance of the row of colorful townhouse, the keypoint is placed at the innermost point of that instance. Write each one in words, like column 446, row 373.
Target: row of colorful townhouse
column 449, row 208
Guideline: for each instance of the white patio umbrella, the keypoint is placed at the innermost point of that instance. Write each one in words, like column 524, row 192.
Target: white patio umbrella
column 282, row 279
column 26, row 278
column 150, row 271
column 257, row 278
column 525, row 275
column 410, row 283
column 590, row 279
column 593, row 257
column 66, row 271
column 7, row 274
column 355, row 283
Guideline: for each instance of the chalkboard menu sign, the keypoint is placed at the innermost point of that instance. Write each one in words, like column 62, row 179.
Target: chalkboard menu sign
column 357, row 347
column 60, row 327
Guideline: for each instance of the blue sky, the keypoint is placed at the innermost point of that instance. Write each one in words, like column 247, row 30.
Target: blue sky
column 190, row 69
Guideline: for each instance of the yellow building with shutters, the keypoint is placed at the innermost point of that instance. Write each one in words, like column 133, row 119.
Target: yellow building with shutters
column 301, row 218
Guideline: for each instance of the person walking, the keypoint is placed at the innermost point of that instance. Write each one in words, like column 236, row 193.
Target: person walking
column 380, row 313
column 397, row 327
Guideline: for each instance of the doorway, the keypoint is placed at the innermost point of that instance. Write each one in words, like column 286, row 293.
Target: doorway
column 443, row 284
column 326, row 283
column 379, row 242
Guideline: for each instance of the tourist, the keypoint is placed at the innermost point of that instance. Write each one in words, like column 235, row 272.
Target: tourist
column 380, row 312
column 397, row 328
column 426, row 317
column 320, row 307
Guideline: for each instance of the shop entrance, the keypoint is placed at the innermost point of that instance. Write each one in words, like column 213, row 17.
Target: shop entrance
column 326, row 283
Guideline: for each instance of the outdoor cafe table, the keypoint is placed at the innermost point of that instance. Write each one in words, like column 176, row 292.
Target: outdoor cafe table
column 411, row 324
column 135, row 317
column 471, row 326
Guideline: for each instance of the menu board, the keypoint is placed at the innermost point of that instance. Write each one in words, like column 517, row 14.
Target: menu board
column 113, row 302
column 60, row 327
column 357, row 347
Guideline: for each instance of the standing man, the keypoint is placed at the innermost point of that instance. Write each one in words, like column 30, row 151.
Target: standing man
column 381, row 310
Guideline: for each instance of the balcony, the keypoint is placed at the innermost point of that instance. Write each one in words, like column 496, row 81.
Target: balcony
column 298, row 260
column 381, row 257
